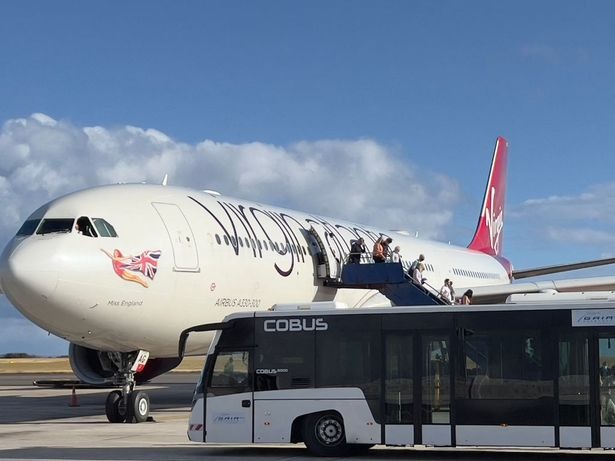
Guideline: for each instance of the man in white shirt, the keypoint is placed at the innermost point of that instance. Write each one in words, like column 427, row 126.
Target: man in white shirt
column 445, row 292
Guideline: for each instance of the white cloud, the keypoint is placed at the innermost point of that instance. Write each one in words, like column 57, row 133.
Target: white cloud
column 581, row 236
column 359, row 180
column 583, row 220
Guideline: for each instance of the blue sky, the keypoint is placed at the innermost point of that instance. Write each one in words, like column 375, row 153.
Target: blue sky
column 428, row 84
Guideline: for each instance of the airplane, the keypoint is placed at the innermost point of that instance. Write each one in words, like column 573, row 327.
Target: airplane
column 119, row 271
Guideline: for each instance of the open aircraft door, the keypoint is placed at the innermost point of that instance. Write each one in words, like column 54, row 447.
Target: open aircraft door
column 182, row 239
column 328, row 263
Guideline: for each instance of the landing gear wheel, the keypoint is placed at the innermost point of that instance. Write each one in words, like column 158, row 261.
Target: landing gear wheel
column 115, row 407
column 323, row 434
column 139, row 406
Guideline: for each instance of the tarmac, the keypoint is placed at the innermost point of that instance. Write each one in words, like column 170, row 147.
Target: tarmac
column 39, row 424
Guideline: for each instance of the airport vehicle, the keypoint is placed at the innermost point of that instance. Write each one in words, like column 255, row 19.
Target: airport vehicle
column 342, row 380
column 120, row 271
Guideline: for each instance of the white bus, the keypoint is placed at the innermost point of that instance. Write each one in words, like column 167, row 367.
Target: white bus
column 343, row 380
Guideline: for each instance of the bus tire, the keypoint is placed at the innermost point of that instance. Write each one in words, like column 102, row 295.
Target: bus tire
column 139, row 404
column 324, row 435
column 115, row 408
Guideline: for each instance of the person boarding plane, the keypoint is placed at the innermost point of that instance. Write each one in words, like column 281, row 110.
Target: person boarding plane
column 158, row 259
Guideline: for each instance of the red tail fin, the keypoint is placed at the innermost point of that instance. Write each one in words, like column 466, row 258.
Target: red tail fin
column 489, row 231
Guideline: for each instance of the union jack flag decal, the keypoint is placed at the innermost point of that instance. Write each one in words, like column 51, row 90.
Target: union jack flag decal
column 146, row 263
column 125, row 266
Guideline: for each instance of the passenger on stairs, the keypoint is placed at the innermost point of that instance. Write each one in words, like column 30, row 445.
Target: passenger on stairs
column 396, row 256
column 378, row 251
column 357, row 248
column 467, row 297
column 418, row 274
column 415, row 263
column 386, row 248
column 445, row 292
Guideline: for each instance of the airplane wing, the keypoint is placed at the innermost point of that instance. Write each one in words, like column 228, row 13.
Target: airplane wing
column 560, row 268
column 499, row 293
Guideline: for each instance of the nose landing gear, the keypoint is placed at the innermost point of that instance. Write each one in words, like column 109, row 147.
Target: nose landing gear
column 127, row 405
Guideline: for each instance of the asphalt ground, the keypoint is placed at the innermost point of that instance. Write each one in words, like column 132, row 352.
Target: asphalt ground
column 39, row 424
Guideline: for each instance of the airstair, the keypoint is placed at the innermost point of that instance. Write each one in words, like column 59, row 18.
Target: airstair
column 390, row 279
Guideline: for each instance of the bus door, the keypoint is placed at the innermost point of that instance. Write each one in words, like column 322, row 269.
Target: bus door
column 417, row 389
column 606, row 389
column 586, row 390
column 229, row 399
column 435, row 390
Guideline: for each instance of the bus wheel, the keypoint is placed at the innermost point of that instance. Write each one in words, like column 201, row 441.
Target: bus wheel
column 323, row 434
column 139, row 404
column 115, row 407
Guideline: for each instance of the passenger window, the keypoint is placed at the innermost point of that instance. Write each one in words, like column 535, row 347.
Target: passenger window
column 84, row 227
column 104, row 228
column 53, row 225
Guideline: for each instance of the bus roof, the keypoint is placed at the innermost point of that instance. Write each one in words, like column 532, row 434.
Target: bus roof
column 595, row 304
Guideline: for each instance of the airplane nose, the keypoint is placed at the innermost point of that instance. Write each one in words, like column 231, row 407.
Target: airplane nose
column 28, row 276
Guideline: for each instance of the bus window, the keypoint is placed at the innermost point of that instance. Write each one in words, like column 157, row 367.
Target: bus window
column 508, row 366
column 230, row 373
column 348, row 355
column 288, row 367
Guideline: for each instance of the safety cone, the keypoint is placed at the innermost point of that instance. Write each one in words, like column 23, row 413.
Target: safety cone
column 73, row 399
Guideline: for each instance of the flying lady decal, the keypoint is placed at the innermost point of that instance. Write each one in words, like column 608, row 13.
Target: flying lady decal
column 135, row 268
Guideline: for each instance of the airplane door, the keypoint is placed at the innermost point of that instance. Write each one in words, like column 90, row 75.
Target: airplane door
column 180, row 233
column 328, row 261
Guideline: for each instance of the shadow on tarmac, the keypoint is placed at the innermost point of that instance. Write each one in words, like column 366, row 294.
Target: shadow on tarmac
column 282, row 453
column 55, row 404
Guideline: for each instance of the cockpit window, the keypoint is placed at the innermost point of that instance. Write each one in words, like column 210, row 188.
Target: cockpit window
column 52, row 225
column 28, row 227
column 84, row 227
column 104, row 228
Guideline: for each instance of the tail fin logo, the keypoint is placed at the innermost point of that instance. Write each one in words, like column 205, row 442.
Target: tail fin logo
column 488, row 237
column 495, row 224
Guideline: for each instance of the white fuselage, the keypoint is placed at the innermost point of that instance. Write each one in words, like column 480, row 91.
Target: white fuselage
column 215, row 257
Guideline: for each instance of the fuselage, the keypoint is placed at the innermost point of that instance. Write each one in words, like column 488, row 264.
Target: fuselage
column 162, row 259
